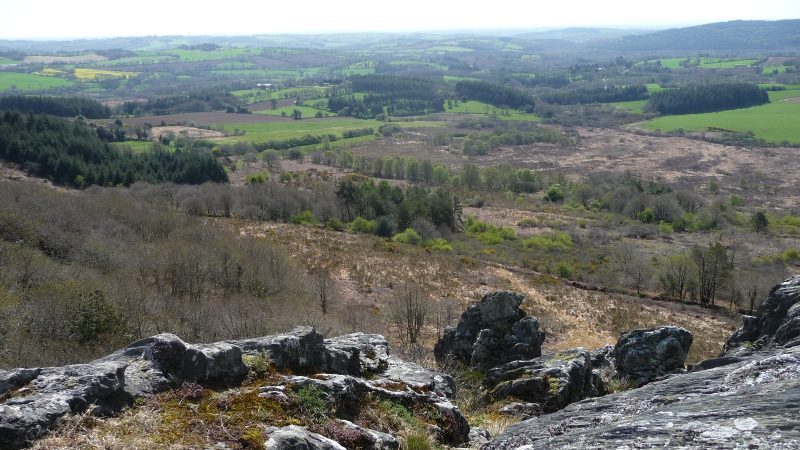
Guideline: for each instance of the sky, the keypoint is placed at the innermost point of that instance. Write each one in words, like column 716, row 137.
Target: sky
column 47, row 19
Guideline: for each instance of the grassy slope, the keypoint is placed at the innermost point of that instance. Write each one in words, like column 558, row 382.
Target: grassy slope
column 30, row 82
column 773, row 122
column 259, row 132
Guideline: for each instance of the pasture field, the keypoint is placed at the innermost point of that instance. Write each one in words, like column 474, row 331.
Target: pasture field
column 55, row 59
column 404, row 62
column 262, row 95
column 259, row 132
column 448, row 49
column 95, row 74
column 30, row 82
column 635, row 106
column 712, row 63
column 774, row 122
column 210, row 55
column 4, row 61
column 476, row 107
column 144, row 59
column 307, row 111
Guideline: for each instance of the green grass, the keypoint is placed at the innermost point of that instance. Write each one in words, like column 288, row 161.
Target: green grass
column 452, row 79
column 775, row 96
column 774, row 122
column 261, row 95
column 449, row 49
column 259, row 132
column 223, row 53
column 308, row 112
column 635, row 106
column 4, row 61
column 136, row 146
column 654, row 87
column 768, row 70
column 30, row 82
column 476, row 107
column 712, row 63
column 419, row 63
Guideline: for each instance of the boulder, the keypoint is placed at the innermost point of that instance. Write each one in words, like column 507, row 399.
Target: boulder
column 478, row 437
column 522, row 410
column 28, row 412
column 552, row 381
column 644, row 355
column 353, row 436
column 356, row 354
column 777, row 322
column 492, row 332
column 752, row 403
column 293, row 437
column 302, row 350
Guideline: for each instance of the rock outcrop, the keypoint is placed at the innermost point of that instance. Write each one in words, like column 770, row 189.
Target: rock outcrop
column 777, row 323
column 644, row 355
column 752, row 403
column 346, row 368
column 552, row 381
column 492, row 332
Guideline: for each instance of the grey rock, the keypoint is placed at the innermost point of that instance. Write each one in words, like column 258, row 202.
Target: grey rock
column 522, row 410
column 644, row 355
column 293, row 437
column 56, row 392
column 214, row 364
column 419, row 377
column 777, row 322
column 478, row 436
column 377, row 440
column 16, row 378
column 753, row 403
column 356, row 354
column 603, row 370
column 302, row 350
column 492, row 332
column 552, row 381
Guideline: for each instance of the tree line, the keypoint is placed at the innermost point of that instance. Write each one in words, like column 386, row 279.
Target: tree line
column 600, row 94
column 72, row 154
column 495, row 94
column 56, row 106
column 709, row 97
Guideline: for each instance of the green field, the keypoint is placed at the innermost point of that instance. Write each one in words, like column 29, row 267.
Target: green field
column 4, row 61
column 449, row 49
column 654, row 87
column 476, row 107
column 452, row 79
column 30, row 82
column 308, row 112
column 441, row 67
column 260, row 132
column 774, row 122
column 262, row 95
column 711, row 63
column 635, row 106
column 223, row 53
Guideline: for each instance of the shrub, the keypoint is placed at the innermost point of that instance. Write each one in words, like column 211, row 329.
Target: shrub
column 334, row 224
column 257, row 178
column 438, row 244
column 418, row 440
column 91, row 317
column 384, row 228
column 759, row 222
column 487, row 233
column 311, row 401
column 362, row 225
column 555, row 194
column 557, row 240
column 564, row 270
column 409, row 236
column 304, row 218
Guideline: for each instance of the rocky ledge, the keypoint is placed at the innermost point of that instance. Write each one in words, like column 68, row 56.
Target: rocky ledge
column 343, row 369
column 748, row 398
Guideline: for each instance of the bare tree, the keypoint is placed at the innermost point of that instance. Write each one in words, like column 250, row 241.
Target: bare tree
column 409, row 312
column 633, row 267
column 323, row 287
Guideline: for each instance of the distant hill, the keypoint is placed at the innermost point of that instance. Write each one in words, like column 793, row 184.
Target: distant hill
column 734, row 35
column 579, row 35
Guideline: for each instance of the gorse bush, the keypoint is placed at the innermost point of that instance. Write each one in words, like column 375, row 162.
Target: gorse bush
column 487, row 233
column 555, row 241
column 409, row 236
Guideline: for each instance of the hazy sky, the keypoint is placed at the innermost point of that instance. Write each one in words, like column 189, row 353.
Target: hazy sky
column 41, row 19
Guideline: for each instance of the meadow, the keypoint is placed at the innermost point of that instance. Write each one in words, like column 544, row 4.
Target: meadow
column 286, row 111
column 30, row 82
column 774, row 122
column 94, row 74
column 259, row 132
